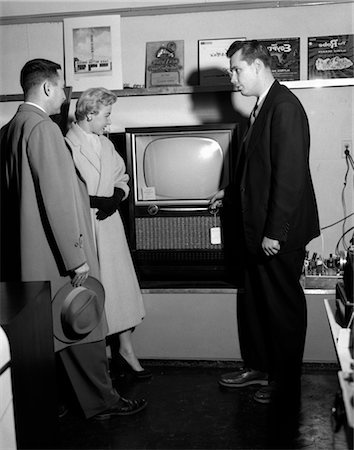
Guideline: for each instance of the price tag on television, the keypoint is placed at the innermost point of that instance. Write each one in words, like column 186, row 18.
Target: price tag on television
column 148, row 193
column 215, row 235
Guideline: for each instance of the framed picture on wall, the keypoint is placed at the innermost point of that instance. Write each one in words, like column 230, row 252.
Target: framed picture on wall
column 213, row 62
column 93, row 52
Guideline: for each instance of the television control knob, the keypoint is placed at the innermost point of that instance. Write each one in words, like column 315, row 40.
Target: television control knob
column 153, row 210
column 213, row 210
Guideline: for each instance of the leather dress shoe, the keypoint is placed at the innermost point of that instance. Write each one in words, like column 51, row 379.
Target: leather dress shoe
column 62, row 410
column 142, row 374
column 265, row 394
column 242, row 378
column 124, row 407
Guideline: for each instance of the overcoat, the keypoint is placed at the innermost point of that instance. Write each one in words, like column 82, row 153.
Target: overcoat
column 103, row 169
column 273, row 186
column 45, row 221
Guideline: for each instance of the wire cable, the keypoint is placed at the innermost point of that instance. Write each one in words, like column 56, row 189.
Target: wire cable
column 342, row 237
column 349, row 162
column 338, row 221
column 343, row 198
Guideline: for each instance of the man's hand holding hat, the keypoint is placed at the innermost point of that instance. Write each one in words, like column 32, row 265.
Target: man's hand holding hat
column 81, row 274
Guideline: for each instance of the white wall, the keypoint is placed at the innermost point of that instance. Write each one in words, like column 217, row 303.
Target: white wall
column 195, row 325
column 29, row 7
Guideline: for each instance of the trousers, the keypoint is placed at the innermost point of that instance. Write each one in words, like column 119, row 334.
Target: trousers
column 86, row 366
column 272, row 316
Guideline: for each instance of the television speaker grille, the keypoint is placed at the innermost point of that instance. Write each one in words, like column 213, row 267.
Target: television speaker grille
column 158, row 233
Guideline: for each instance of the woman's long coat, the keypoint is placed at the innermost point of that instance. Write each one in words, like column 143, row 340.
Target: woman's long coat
column 103, row 169
column 45, row 220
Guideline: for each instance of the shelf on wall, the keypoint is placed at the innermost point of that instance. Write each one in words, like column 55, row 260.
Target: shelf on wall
column 301, row 84
column 140, row 92
column 169, row 90
column 176, row 90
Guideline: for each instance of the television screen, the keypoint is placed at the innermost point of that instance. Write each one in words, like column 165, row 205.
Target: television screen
column 179, row 165
column 182, row 167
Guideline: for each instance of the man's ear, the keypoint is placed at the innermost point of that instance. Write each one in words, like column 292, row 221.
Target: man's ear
column 46, row 88
column 258, row 64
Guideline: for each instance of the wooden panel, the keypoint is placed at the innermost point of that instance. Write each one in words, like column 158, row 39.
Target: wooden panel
column 26, row 317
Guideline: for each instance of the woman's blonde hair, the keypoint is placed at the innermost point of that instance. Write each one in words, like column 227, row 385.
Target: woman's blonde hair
column 91, row 100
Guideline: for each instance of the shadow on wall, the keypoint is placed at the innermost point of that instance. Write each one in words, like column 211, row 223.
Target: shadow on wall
column 213, row 107
column 218, row 107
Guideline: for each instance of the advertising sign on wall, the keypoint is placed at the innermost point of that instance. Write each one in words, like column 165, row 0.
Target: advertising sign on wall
column 331, row 57
column 164, row 63
column 285, row 55
column 93, row 52
column 213, row 64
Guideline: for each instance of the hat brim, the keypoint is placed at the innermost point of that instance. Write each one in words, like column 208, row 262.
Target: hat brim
column 57, row 305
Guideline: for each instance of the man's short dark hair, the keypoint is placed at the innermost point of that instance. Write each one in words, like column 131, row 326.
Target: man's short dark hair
column 36, row 71
column 250, row 51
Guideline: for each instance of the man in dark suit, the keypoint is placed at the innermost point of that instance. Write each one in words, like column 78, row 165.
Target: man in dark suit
column 272, row 204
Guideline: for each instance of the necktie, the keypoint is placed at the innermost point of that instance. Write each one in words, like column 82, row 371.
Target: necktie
column 251, row 120
column 253, row 115
column 243, row 149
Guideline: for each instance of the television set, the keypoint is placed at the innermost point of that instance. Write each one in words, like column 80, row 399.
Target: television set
column 174, row 172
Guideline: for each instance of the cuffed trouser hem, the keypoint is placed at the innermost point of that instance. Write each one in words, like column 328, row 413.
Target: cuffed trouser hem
column 87, row 369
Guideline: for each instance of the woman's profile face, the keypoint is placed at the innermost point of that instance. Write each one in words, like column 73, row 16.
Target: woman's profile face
column 101, row 120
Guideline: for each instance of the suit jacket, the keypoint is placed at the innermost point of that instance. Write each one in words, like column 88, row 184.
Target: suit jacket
column 274, row 189
column 45, row 214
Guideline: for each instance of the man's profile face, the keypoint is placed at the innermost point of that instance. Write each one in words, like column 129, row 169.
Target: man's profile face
column 244, row 75
column 57, row 93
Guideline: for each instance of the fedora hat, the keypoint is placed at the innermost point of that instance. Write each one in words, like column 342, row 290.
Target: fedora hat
column 77, row 310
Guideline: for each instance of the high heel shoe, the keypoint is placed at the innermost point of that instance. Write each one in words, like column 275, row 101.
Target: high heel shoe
column 125, row 367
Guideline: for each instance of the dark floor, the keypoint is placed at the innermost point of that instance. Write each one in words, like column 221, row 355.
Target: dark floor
column 188, row 410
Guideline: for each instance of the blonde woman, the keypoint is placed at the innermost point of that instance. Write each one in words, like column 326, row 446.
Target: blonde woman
column 105, row 175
